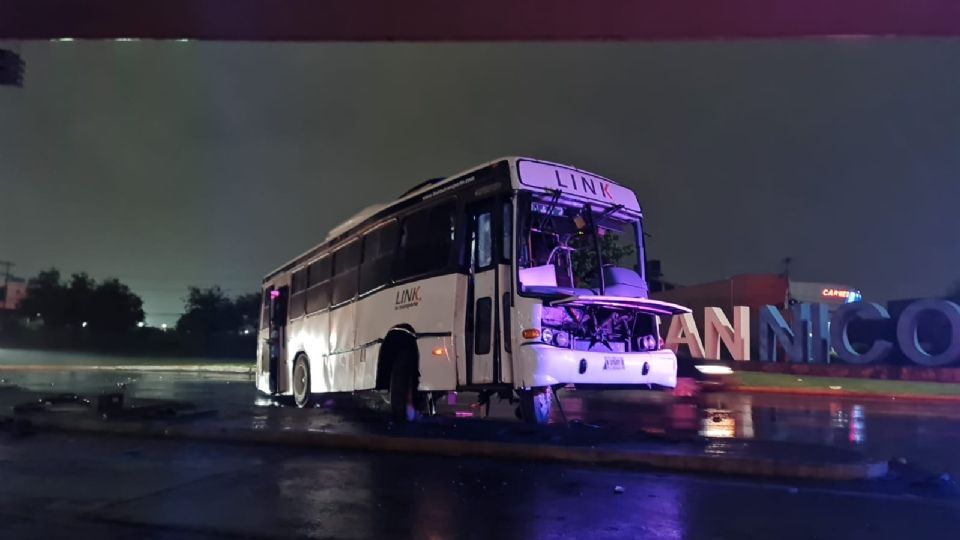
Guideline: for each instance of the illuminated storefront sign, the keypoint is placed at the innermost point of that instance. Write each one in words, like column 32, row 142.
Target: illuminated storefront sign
column 834, row 293
column 813, row 333
column 844, row 294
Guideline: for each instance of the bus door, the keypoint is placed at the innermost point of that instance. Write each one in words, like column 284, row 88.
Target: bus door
column 483, row 360
column 505, row 275
column 277, row 337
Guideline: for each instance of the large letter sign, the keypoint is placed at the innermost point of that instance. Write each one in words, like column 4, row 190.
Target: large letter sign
column 717, row 328
column 813, row 332
column 683, row 331
column 907, row 332
column 774, row 331
column 848, row 313
column 819, row 334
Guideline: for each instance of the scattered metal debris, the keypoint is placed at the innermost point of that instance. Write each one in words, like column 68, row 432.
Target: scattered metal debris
column 54, row 403
column 112, row 406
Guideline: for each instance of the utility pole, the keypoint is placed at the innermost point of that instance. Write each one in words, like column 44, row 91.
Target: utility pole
column 6, row 281
column 787, row 261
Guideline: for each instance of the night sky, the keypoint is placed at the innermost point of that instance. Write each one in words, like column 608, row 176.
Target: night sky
column 174, row 164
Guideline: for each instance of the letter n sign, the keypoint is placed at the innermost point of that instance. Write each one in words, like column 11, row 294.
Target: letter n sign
column 794, row 339
column 717, row 329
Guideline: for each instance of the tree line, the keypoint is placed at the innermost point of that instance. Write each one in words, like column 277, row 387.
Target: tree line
column 110, row 307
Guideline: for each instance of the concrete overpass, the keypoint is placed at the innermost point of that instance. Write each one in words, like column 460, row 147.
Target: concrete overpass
column 486, row 20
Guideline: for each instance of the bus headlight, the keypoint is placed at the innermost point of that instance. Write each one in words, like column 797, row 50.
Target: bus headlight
column 647, row 343
column 546, row 335
column 561, row 339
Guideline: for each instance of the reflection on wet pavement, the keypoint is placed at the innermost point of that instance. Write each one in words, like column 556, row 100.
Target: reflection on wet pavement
column 921, row 433
column 187, row 490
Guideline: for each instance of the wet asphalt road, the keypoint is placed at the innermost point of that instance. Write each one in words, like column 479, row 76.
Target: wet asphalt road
column 58, row 486
column 924, row 434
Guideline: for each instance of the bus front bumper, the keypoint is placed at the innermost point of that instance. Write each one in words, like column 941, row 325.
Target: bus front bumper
column 545, row 365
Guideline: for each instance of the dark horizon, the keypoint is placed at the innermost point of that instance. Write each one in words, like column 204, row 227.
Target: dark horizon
column 174, row 164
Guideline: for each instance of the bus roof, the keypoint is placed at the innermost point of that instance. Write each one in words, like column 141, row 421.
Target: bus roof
column 533, row 175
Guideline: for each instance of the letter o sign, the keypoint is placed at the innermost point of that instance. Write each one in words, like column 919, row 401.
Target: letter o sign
column 907, row 332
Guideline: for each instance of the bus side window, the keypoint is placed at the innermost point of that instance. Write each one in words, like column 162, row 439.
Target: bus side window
column 298, row 296
column 426, row 238
column 410, row 228
column 441, row 228
column 318, row 285
column 378, row 248
column 484, row 242
column 346, row 263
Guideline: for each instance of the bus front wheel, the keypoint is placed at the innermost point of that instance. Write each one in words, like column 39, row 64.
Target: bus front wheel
column 403, row 390
column 535, row 405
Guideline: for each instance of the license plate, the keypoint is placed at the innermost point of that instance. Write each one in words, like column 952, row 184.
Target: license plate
column 612, row 362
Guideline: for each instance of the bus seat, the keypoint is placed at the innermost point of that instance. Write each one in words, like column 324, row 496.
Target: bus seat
column 544, row 276
column 622, row 282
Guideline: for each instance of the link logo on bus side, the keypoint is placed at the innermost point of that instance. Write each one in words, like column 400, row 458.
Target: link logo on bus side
column 407, row 298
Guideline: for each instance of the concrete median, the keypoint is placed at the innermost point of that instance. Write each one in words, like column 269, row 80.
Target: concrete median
column 747, row 458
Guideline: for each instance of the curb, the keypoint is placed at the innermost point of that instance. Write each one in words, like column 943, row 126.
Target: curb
column 172, row 368
column 811, row 392
column 611, row 457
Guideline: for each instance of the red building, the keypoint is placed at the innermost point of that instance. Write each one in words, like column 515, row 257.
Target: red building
column 11, row 294
column 754, row 291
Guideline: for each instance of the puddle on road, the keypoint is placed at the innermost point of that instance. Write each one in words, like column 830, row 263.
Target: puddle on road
column 921, row 433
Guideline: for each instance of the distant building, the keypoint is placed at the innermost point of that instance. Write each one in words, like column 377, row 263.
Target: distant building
column 13, row 293
column 754, row 291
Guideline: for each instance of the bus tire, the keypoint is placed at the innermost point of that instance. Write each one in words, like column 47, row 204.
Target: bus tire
column 535, row 405
column 300, row 382
column 403, row 390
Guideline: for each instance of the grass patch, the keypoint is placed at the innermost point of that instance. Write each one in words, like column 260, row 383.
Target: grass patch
column 875, row 386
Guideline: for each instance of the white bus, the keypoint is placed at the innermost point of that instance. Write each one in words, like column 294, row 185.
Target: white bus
column 484, row 281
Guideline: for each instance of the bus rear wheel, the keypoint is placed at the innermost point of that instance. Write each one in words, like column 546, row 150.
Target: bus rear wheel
column 403, row 390
column 535, row 405
column 301, row 382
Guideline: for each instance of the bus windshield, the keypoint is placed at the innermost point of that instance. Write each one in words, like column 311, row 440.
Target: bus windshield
column 562, row 244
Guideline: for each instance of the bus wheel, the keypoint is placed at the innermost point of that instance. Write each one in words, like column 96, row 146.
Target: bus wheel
column 535, row 405
column 301, row 382
column 403, row 384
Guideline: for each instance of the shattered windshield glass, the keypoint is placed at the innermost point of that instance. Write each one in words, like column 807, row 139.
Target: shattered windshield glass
column 562, row 244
